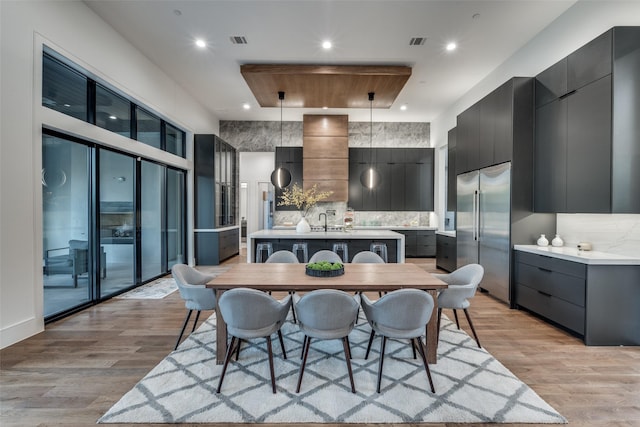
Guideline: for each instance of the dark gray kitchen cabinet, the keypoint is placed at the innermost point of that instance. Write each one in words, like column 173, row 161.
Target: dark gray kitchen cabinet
column 419, row 243
column 215, row 182
column 485, row 132
column 589, row 148
column 467, row 154
column 291, row 159
column 406, row 179
column 451, row 170
column 581, row 297
column 446, row 252
column 587, row 132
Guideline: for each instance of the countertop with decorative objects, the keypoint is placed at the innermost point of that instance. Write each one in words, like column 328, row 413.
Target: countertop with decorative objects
column 585, row 257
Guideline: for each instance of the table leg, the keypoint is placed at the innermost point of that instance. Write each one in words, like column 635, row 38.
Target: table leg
column 221, row 333
column 432, row 330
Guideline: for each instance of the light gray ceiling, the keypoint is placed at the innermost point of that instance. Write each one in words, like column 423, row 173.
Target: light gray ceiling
column 363, row 32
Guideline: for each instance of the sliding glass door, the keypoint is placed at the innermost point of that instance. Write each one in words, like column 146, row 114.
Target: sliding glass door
column 111, row 222
column 66, row 237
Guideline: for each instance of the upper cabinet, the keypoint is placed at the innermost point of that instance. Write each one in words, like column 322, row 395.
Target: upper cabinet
column 451, row 170
column 214, row 164
column 588, row 128
column 406, row 179
column 487, row 131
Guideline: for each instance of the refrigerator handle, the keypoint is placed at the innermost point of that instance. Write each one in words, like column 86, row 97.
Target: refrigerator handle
column 474, row 212
column 478, row 225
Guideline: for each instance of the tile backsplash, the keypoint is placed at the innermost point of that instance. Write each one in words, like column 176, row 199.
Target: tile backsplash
column 361, row 218
column 617, row 234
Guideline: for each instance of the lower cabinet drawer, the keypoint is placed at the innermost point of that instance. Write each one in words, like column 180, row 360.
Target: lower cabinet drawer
column 569, row 288
column 562, row 312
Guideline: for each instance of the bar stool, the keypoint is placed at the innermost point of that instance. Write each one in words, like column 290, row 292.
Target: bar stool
column 341, row 246
column 380, row 249
column 263, row 248
column 301, row 247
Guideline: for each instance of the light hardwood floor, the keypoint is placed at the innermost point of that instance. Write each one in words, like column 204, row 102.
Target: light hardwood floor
column 80, row 366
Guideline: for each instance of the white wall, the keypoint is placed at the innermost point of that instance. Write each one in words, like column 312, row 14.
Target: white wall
column 255, row 167
column 77, row 33
column 581, row 23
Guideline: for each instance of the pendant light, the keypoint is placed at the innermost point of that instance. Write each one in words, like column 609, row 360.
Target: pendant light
column 281, row 177
column 370, row 178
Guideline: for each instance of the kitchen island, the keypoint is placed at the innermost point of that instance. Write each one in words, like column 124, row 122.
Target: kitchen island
column 357, row 240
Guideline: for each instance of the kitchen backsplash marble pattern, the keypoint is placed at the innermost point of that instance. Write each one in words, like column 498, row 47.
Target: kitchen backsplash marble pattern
column 616, row 234
column 361, row 218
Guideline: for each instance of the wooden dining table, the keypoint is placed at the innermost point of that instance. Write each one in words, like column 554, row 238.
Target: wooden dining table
column 356, row 278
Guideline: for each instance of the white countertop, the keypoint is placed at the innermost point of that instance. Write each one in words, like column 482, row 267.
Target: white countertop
column 450, row 233
column 368, row 227
column 355, row 234
column 573, row 254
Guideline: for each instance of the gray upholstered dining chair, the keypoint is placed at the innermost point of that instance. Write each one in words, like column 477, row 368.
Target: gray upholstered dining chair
column 463, row 283
column 191, row 285
column 325, row 255
column 282, row 257
column 326, row 314
column 367, row 257
column 249, row 314
column 401, row 314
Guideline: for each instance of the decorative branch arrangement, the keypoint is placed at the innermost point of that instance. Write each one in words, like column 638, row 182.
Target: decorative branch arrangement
column 301, row 199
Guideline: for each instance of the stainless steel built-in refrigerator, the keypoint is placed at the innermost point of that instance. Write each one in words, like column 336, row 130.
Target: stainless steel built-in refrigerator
column 483, row 225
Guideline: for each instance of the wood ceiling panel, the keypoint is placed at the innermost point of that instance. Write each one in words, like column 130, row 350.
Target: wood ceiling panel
column 333, row 86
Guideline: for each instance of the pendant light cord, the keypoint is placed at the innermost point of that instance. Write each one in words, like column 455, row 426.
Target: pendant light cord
column 371, row 95
column 281, row 97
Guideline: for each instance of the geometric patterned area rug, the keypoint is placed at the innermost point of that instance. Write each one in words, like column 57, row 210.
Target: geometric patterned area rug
column 471, row 385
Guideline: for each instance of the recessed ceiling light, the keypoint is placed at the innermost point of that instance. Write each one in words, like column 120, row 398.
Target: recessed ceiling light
column 246, row 106
column 451, row 46
column 67, row 105
column 326, row 45
column 201, row 43
column 112, row 117
column 403, row 107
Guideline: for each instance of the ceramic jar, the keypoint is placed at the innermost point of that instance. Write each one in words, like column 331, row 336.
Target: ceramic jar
column 542, row 241
column 557, row 241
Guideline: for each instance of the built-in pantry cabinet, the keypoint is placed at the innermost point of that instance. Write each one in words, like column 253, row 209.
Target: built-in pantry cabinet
column 587, row 125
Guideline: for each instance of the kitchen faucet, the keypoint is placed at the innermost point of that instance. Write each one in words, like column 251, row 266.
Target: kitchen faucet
column 325, row 220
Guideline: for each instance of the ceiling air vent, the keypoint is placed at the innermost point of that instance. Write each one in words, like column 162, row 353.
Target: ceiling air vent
column 417, row 41
column 238, row 39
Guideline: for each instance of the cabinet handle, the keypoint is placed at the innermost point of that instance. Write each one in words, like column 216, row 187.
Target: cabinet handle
column 567, row 94
column 546, row 270
column 544, row 293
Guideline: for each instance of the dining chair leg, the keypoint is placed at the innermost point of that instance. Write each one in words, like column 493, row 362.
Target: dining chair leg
column 438, row 327
column 304, row 344
column 422, row 350
column 455, row 314
column 382, row 346
column 305, row 352
column 195, row 322
column 293, row 309
column 226, row 362
column 273, row 374
column 373, row 334
column 238, row 349
column 284, row 352
column 347, row 356
column 466, row 313
column 348, row 346
column 413, row 347
column 184, row 326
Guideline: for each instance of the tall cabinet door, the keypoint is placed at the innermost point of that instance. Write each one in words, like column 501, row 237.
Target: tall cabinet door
column 550, row 179
column 589, row 148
